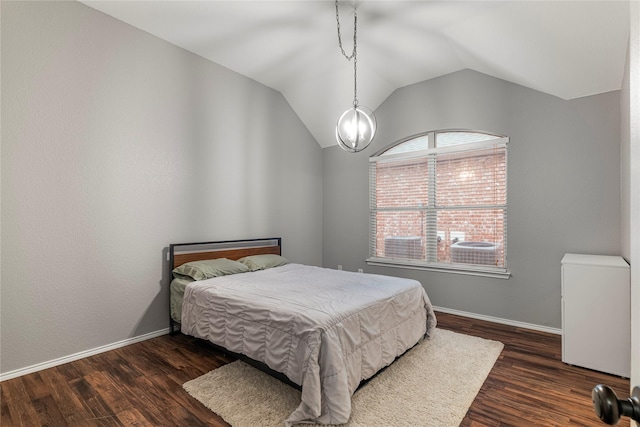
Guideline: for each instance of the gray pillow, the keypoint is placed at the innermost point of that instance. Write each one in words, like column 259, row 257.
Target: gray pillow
column 261, row 262
column 206, row 269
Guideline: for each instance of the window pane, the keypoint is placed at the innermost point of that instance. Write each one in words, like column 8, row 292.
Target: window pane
column 444, row 204
column 415, row 144
column 399, row 234
column 447, row 139
column 471, row 236
column 476, row 178
column 401, row 184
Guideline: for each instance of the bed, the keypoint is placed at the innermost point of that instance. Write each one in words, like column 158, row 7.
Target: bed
column 321, row 329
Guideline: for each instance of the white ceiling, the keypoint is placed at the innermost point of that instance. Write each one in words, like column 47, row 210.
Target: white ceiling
column 568, row 49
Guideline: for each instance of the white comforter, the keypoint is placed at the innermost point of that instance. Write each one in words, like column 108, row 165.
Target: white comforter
column 326, row 330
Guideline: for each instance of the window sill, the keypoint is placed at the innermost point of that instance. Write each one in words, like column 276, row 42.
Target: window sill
column 441, row 268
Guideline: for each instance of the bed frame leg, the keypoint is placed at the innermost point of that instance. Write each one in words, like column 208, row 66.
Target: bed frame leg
column 174, row 327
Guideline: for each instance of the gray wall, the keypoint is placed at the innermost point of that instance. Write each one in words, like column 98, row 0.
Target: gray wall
column 563, row 190
column 115, row 144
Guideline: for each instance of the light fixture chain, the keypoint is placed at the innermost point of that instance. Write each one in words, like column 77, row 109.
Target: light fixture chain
column 355, row 66
column 355, row 18
column 356, row 127
column 354, row 53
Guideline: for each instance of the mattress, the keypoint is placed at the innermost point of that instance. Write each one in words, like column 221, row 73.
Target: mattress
column 326, row 330
column 176, row 292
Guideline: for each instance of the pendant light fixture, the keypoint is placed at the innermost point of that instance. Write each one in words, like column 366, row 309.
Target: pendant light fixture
column 356, row 127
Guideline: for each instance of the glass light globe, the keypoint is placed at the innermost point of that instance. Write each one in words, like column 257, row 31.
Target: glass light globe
column 356, row 128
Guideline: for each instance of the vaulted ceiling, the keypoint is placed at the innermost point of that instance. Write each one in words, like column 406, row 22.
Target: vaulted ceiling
column 568, row 49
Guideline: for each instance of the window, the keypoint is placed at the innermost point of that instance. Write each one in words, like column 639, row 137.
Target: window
column 439, row 201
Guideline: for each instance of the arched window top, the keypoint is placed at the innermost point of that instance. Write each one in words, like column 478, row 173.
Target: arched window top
column 437, row 139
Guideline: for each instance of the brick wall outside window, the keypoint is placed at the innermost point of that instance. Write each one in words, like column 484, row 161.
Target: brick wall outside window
column 461, row 184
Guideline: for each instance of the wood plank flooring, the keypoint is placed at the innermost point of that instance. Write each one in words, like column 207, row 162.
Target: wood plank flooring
column 529, row 384
column 141, row 385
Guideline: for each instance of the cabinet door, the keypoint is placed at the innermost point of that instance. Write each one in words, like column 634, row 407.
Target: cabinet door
column 596, row 318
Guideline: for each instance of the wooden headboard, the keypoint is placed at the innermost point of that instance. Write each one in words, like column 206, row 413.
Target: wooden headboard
column 180, row 253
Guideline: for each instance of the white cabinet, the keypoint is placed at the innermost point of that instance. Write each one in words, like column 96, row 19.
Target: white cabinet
column 596, row 313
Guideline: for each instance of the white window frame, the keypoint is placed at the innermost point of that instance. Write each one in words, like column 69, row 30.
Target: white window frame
column 431, row 263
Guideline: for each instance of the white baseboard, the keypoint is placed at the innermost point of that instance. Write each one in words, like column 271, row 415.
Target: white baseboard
column 515, row 323
column 66, row 359
column 81, row 355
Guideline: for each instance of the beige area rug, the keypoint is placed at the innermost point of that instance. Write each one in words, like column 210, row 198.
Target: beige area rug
column 431, row 385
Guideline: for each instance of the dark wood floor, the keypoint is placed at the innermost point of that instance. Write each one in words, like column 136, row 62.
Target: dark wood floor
column 140, row 385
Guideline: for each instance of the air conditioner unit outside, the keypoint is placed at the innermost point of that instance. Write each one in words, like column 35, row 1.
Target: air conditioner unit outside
column 407, row 247
column 483, row 253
